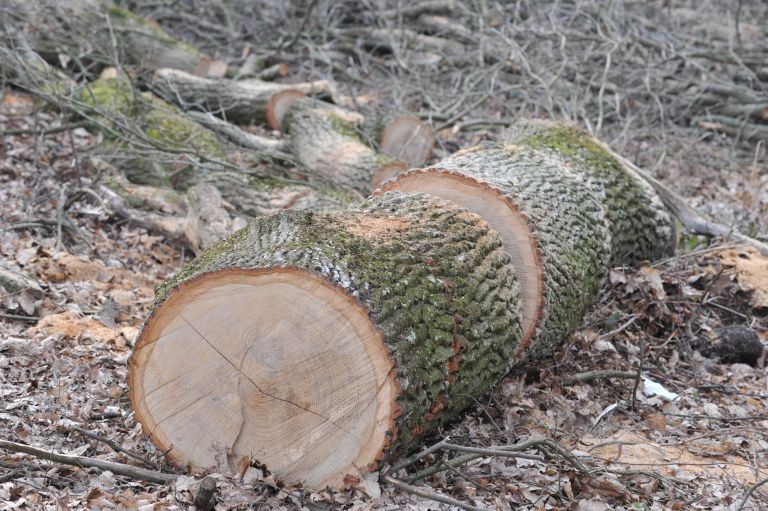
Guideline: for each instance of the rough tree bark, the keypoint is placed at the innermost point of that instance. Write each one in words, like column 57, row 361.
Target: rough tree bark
column 347, row 337
column 324, row 139
column 241, row 101
column 565, row 209
column 639, row 221
column 332, row 342
column 98, row 31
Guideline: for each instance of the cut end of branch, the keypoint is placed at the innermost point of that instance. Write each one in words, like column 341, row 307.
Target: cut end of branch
column 408, row 139
column 278, row 106
column 387, row 172
column 275, row 365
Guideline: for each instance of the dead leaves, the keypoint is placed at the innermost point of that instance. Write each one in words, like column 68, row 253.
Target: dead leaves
column 751, row 268
column 72, row 326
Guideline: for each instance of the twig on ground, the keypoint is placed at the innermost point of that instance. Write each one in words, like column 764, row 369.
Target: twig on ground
column 406, row 462
column 623, row 327
column 85, row 462
column 714, row 418
column 491, row 452
column 597, row 375
column 638, row 375
column 542, row 444
column 31, row 319
column 116, row 447
column 430, row 495
column 748, row 492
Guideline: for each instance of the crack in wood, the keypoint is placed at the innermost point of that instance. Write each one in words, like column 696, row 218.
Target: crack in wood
column 259, row 388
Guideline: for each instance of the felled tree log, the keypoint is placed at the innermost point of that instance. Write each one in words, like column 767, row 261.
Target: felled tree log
column 324, row 139
column 99, row 31
column 321, row 345
column 240, row 102
column 556, row 200
column 408, row 139
column 641, row 227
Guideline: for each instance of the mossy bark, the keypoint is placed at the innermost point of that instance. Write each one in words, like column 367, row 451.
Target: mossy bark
column 98, row 31
column 568, row 222
column 162, row 124
column 641, row 227
column 325, row 140
column 240, row 102
column 431, row 276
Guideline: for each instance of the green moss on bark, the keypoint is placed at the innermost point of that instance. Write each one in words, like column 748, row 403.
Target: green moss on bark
column 641, row 227
column 431, row 276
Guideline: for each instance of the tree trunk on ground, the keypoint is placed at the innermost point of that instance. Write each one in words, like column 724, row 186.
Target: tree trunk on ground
column 347, row 337
column 639, row 221
column 324, row 139
column 80, row 27
column 240, row 102
column 393, row 314
column 566, row 211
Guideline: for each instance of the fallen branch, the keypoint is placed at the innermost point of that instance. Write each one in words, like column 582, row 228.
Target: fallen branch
column 406, row 462
column 733, row 127
column 115, row 446
column 491, row 452
column 82, row 461
column 272, row 147
column 430, row 495
column 542, row 444
column 749, row 492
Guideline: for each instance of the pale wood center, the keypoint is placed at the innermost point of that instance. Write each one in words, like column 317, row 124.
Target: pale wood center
column 279, row 367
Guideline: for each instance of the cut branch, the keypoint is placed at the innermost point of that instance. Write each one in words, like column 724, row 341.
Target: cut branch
column 81, row 461
column 324, row 139
column 690, row 219
column 241, row 102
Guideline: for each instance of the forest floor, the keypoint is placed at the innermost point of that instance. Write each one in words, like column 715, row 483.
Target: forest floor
column 680, row 422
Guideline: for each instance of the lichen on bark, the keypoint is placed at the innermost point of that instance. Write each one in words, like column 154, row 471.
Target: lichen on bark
column 433, row 277
column 641, row 227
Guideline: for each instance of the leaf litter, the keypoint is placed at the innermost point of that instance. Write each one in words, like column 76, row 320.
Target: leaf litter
column 64, row 349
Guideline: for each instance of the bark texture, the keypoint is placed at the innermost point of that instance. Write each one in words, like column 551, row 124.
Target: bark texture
column 79, row 27
column 324, row 139
column 641, row 227
column 569, row 225
column 431, row 276
column 241, row 102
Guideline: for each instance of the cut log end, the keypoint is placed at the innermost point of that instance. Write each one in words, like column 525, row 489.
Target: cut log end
column 502, row 214
column 275, row 366
column 387, row 172
column 408, row 139
column 278, row 106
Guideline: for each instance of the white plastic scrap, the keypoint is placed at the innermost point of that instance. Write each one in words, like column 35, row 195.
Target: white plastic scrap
column 651, row 388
